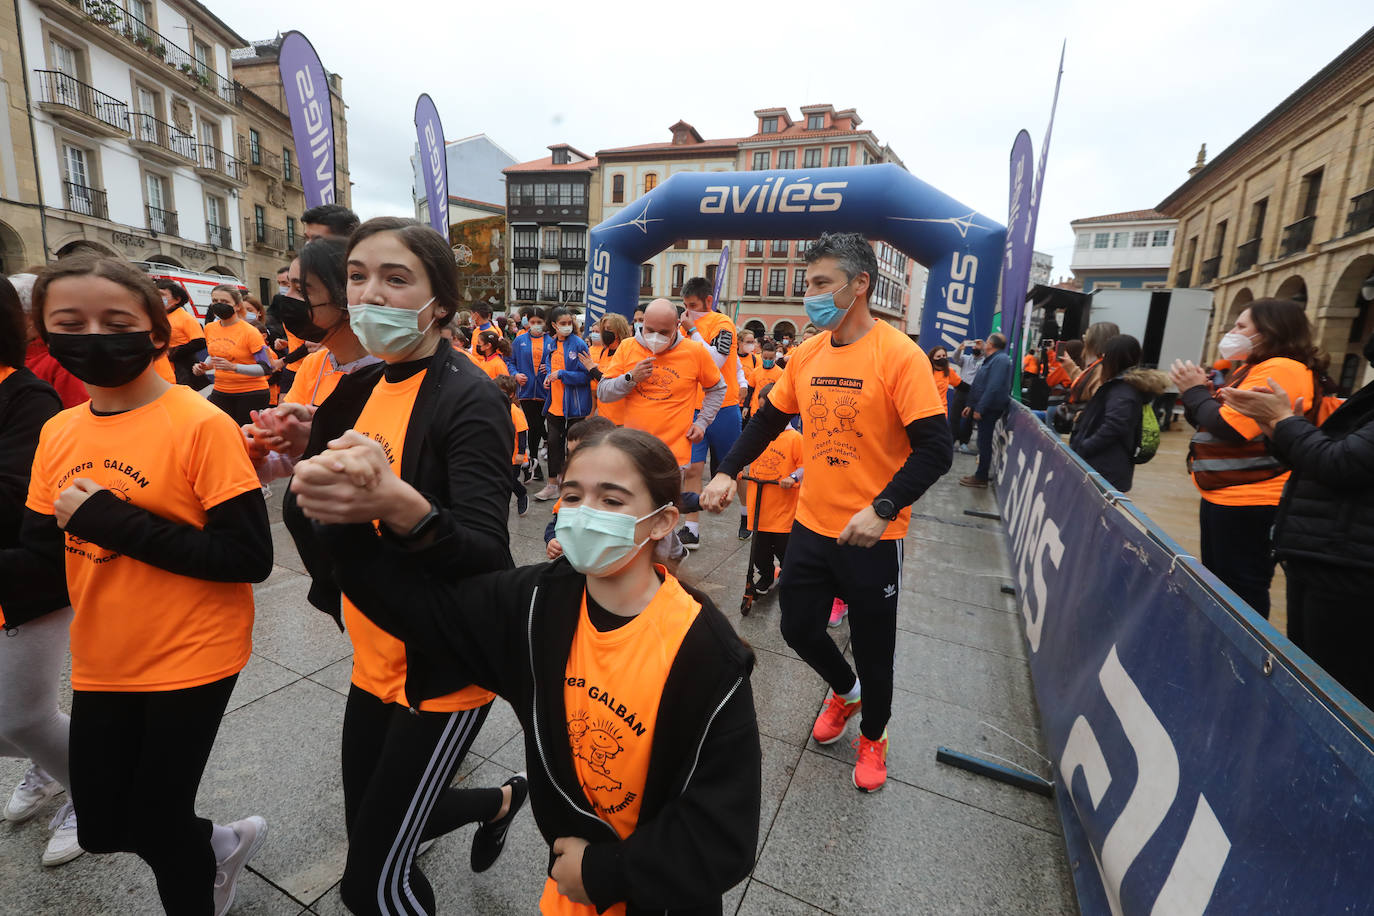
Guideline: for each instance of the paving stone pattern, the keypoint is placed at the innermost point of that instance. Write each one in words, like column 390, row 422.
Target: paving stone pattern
column 934, row 840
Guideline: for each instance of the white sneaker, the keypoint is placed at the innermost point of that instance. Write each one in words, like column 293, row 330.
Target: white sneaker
column 62, row 847
column 33, row 790
column 251, row 831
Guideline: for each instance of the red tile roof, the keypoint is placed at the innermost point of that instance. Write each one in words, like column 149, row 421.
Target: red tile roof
column 801, row 131
column 546, row 165
column 730, row 143
column 1128, row 216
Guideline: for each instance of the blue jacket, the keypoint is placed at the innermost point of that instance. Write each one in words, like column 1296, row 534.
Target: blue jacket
column 991, row 390
column 576, row 381
column 522, row 360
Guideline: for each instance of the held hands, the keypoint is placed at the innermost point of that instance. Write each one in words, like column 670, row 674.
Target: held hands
column 284, row 428
column 718, row 493
column 696, row 432
column 1186, row 375
column 567, row 868
column 352, row 483
column 864, row 529
column 70, row 499
column 1267, row 408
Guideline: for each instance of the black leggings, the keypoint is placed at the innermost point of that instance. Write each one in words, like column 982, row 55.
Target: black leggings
column 768, row 545
column 1237, row 549
column 557, row 429
column 868, row 579
column 534, row 415
column 239, row 405
column 397, row 766
column 136, row 764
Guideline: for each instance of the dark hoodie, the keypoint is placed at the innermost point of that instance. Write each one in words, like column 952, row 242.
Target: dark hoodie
column 1107, row 431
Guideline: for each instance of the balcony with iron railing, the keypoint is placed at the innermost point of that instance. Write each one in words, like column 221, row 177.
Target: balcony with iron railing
column 1247, row 255
column 548, row 295
column 525, row 253
column 219, row 236
column 525, row 293
column 572, row 296
column 161, row 140
column 1185, row 279
column 219, row 166
column 87, row 201
column 265, row 161
column 134, row 33
column 162, row 221
column 572, row 254
column 549, row 252
column 1210, row 268
column 80, row 106
column 1361, row 216
column 1297, row 236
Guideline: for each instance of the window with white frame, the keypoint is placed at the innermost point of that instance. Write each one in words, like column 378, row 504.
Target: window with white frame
column 787, row 159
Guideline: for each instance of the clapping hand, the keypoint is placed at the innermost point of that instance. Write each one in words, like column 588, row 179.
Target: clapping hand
column 1186, row 375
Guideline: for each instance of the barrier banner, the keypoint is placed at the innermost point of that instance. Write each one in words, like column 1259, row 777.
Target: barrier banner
column 433, row 161
column 1202, row 763
column 312, row 118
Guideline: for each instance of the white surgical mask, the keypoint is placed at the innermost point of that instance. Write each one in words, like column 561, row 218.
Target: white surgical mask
column 598, row 542
column 655, row 342
column 386, row 330
column 1235, row 345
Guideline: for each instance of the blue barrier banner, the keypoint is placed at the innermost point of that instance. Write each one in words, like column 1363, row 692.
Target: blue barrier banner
column 311, row 111
column 961, row 247
column 1202, row 763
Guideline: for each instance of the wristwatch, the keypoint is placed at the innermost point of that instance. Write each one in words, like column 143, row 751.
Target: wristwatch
column 424, row 525
column 629, row 376
column 885, row 508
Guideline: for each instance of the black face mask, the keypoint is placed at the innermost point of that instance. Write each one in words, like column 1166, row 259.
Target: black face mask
column 296, row 317
column 221, row 310
column 103, row 360
column 607, row 338
column 941, row 363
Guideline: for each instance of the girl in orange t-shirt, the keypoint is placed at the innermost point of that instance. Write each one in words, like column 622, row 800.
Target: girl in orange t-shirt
column 623, row 679
column 947, row 378
column 143, row 492
column 239, row 357
column 430, row 448
column 490, row 351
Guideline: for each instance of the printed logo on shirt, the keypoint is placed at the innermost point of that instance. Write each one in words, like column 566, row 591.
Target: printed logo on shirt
column 385, row 443
column 597, row 742
column 659, row 384
column 831, row 417
column 87, row 550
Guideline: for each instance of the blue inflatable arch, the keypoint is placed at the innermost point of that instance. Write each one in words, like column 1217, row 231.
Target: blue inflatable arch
column 962, row 248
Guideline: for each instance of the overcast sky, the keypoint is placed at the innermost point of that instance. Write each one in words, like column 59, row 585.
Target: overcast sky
column 947, row 85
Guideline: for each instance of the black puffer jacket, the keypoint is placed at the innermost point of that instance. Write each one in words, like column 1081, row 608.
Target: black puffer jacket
column 1327, row 511
column 1107, row 429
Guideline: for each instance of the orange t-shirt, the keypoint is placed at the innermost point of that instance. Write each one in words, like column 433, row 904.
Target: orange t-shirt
column 138, row 627
column 750, row 361
column 855, row 402
column 184, row 328
column 239, row 343
column 1058, row 377
column 315, row 380
column 293, row 343
column 782, row 456
column 612, row 690
column 522, row 425
column 379, row 659
column 759, row 379
column 536, row 352
column 663, row 403
column 615, row 410
column 163, row 365
column 718, row 330
column 947, row 380
column 492, row 365
column 556, row 364
column 1294, row 378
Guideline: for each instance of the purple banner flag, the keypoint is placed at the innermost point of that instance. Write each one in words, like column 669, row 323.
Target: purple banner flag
column 1016, row 262
column 433, row 161
column 720, row 278
column 312, row 118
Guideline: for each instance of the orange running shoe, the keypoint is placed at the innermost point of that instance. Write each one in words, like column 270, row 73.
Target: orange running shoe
column 870, row 770
column 833, row 718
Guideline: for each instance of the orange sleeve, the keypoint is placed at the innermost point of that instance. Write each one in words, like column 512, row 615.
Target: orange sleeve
column 619, row 363
column 517, row 415
column 911, row 384
column 955, row 379
column 709, row 374
column 1289, row 374
column 217, row 464
column 784, row 393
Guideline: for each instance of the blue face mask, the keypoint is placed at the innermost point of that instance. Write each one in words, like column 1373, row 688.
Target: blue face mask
column 822, row 310
column 387, row 331
column 768, row 364
column 597, row 542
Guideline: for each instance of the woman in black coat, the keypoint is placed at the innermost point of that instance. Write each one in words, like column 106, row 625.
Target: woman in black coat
column 1108, row 429
column 1324, row 530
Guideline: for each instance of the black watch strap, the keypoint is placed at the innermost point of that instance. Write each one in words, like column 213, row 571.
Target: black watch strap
column 424, row 525
column 885, row 508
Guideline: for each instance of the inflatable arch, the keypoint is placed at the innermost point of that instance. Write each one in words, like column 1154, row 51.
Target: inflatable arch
column 962, row 248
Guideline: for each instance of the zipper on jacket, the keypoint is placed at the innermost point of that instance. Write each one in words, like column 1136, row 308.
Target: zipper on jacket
column 696, row 758
column 534, row 719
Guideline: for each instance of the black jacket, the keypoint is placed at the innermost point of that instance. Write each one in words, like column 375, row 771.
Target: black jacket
column 1327, row 511
column 1107, row 430
column 511, row 632
column 26, row 404
column 456, row 452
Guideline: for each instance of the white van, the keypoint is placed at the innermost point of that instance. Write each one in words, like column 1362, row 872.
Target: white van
column 198, row 285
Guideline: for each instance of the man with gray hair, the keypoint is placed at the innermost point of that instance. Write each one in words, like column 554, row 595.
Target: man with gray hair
column 875, row 438
column 988, row 399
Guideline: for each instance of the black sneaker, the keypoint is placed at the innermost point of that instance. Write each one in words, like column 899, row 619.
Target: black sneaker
column 522, row 502
column 490, row 837
column 526, row 474
column 744, row 531
column 538, row 472
column 762, row 588
column 688, row 539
